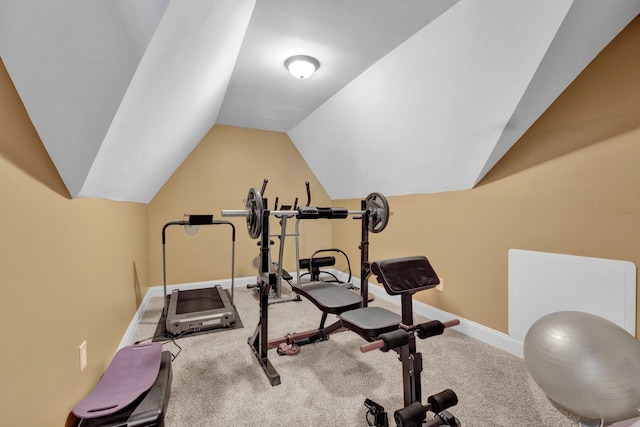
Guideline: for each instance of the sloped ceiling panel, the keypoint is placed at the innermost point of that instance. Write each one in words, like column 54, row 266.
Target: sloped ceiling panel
column 72, row 69
column 121, row 91
column 426, row 117
column 576, row 44
column 173, row 100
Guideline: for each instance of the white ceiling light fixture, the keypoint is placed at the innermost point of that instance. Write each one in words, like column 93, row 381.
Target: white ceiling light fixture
column 302, row 66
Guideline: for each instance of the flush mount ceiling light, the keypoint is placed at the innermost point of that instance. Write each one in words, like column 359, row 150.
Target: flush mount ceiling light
column 302, row 66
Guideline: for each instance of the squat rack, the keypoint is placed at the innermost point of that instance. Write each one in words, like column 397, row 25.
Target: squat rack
column 374, row 215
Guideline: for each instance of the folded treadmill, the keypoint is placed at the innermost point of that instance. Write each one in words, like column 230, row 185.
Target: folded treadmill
column 198, row 309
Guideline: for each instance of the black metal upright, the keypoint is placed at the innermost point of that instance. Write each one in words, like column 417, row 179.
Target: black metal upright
column 365, row 266
column 411, row 360
column 165, row 307
column 259, row 340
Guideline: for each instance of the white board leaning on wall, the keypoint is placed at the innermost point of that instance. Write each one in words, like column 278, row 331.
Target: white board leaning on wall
column 541, row 283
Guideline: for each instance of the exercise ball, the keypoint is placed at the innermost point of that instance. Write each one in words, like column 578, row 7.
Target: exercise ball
column 586, row 364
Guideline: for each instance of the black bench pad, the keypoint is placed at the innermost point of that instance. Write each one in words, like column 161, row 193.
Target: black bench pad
column 329, row 297
column 369, row 322
column 406, row 275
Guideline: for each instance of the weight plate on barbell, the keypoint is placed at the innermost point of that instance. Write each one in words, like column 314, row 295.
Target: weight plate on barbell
column 377, row 209
column 254, row 215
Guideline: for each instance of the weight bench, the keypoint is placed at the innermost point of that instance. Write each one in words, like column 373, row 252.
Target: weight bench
column 403, row 276
column 330, row 298
column 400, row 276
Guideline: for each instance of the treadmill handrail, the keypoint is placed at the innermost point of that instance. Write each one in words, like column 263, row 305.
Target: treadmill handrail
column 164, row 256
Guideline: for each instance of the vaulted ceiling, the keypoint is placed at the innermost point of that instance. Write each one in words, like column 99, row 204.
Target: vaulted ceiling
column 411, row 96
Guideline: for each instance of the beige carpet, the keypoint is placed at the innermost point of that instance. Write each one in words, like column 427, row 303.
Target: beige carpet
column 217, row 380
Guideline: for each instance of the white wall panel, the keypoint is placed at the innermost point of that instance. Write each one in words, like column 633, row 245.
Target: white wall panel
column 541, row 283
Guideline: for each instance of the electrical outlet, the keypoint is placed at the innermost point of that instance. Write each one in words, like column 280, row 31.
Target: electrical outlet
column 83, row 355
column 440, row 287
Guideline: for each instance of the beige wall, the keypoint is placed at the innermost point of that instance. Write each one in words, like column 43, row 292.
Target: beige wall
column 71, row 270
column 75, row 270
column 217, row 175
column 570, row 185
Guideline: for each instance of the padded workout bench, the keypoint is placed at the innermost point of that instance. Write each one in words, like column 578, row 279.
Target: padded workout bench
column 386, row 331
column 404, row 276
column 330, row 299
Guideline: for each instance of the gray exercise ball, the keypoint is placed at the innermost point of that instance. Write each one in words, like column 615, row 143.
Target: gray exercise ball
column 586, row 364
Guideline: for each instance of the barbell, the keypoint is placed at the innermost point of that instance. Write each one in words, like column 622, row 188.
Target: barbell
column 376, row 208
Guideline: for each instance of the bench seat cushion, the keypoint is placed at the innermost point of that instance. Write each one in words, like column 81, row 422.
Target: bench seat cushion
column 329, row 297
column 369, row 322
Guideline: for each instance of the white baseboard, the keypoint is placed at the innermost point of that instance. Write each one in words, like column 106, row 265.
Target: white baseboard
column 475, row 330
column 129, row 334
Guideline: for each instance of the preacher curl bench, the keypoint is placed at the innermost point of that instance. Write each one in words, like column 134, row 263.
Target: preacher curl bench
column 404, row 276
column 386, row 331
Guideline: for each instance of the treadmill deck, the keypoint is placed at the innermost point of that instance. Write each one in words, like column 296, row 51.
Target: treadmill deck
column 199, row 309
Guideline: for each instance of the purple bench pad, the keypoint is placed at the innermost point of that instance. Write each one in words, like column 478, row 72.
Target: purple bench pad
column 132, row 371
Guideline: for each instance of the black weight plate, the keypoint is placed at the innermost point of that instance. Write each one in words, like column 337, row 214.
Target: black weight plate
column 377, row 209
column 254, row 216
